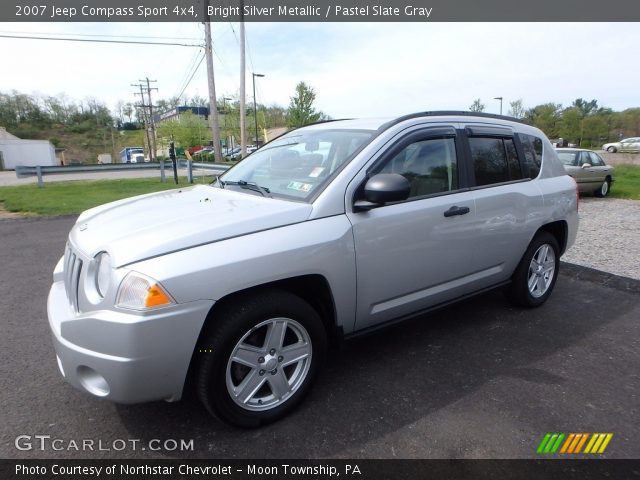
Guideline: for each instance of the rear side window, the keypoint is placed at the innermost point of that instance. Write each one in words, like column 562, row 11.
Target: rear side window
column 532, row 148
column 596, row 161
column 494, row 160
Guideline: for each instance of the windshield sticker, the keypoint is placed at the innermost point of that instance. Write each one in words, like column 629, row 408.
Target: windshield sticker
column 316, row 172
column 301, row 187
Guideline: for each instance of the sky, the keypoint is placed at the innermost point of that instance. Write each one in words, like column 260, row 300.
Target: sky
column 356, row 69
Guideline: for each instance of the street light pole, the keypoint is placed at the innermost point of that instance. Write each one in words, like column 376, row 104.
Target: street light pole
column 255, row 109
column 499, row 98
column 224, row 109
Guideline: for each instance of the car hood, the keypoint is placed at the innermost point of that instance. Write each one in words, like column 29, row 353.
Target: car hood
column 146, row 226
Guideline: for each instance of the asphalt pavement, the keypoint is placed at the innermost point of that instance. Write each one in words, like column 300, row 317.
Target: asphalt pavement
column 480, row 379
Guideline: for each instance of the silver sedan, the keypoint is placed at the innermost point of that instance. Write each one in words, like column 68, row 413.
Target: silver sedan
column 626, row 145
column 588, row 169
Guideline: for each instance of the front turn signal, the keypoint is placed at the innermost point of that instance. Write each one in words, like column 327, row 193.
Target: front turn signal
column 139, row 292
column 156, row 297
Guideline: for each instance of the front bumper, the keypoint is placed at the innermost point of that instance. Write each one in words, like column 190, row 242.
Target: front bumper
column 126, row 357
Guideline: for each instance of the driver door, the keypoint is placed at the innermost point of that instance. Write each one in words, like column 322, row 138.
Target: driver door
column 409, row 255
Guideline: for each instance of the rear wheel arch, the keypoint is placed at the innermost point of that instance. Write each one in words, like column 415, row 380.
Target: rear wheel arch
column 559, row 230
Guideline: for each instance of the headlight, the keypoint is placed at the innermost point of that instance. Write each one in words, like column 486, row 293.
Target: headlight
column 103, row 273
column 139, row 292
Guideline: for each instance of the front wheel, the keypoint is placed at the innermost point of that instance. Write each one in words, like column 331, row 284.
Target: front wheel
column 536, row 274
column 612, row 150
column 259, row 358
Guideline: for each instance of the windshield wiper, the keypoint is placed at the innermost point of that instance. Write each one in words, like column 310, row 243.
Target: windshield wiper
column 264, row 191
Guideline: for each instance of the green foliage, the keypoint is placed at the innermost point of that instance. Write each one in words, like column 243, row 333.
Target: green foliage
column 66, row 198
column 301, row 111
column 545, row 117
column 627, row 182
column 187, row 132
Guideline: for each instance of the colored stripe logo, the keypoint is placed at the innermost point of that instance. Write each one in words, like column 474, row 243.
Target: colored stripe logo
column 572, row 443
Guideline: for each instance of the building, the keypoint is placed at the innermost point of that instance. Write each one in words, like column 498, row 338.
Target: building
column 16, row 151
column 175, row 113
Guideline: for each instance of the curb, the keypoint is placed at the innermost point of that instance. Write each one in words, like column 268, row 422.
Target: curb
column 610, row 280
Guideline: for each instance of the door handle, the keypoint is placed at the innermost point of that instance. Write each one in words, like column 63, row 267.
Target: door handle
column 456, row 211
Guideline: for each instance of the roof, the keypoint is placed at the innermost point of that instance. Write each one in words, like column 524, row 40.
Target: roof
column 573, row 149
column 444, row 116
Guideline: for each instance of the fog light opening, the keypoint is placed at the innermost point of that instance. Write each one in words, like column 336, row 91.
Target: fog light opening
column 92, row 381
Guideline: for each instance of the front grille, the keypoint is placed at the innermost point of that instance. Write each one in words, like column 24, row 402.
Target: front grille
column 72, row 269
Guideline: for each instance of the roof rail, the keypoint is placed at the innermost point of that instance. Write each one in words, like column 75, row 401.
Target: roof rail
column 460, row 113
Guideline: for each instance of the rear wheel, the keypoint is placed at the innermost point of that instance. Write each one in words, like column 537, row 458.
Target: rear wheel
column 260, row 359
column 603, row 191
column 537, row 272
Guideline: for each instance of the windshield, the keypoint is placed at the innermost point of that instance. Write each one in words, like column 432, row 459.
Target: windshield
column 567, row 158
column 299, row 163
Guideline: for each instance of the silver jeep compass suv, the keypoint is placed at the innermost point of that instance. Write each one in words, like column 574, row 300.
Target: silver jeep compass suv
column 330, row 230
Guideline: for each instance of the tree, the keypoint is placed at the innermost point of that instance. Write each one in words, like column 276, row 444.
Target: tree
column 545, row 117
column 516, row 109
column 128, row 110
column 188, row 131
column 301, row 111
column 585, row 108
column 476, row 106
column 570, row 125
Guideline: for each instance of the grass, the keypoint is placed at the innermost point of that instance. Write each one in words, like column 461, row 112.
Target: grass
column 67, row 198
column 627, row 182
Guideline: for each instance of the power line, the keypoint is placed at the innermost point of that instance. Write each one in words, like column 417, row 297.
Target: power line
column 103, row 41
column 192, row 75
column 190, row 66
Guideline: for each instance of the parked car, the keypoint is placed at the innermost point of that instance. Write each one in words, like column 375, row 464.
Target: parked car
column 330, row 231
column 588, row 169
column 626, row 145
column 203, row 150
column 233, row 154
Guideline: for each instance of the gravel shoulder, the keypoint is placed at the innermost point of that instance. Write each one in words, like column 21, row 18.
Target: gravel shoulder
column 608, row 236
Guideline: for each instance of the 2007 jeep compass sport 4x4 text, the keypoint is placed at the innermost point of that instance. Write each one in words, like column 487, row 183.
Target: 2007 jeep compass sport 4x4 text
column 330, row 230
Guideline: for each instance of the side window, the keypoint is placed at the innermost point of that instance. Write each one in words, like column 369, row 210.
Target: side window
column 532, row 147
column 596, row 161
column 584, row 158
column 494, row 160
column 430, row 166
column 515, row 172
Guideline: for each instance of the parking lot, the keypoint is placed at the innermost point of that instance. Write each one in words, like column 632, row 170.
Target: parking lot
column 478, row 380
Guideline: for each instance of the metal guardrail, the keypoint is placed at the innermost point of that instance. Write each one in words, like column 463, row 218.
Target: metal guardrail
column 24, row 171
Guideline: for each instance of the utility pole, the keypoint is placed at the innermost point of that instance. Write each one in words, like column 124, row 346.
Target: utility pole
column 144, row 114
column 153, row 149
column 243, row 125
column 213, row 103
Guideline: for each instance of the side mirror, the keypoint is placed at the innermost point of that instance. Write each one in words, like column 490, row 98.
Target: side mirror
column 383, row 188
column 586, row 165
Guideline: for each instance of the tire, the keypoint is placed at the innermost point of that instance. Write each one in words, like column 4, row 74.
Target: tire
column 536, row 274
column 248, row 377
column 612, row 149
column 603, row 191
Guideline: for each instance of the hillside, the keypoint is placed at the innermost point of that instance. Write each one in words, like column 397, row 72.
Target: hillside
column 83, row 145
